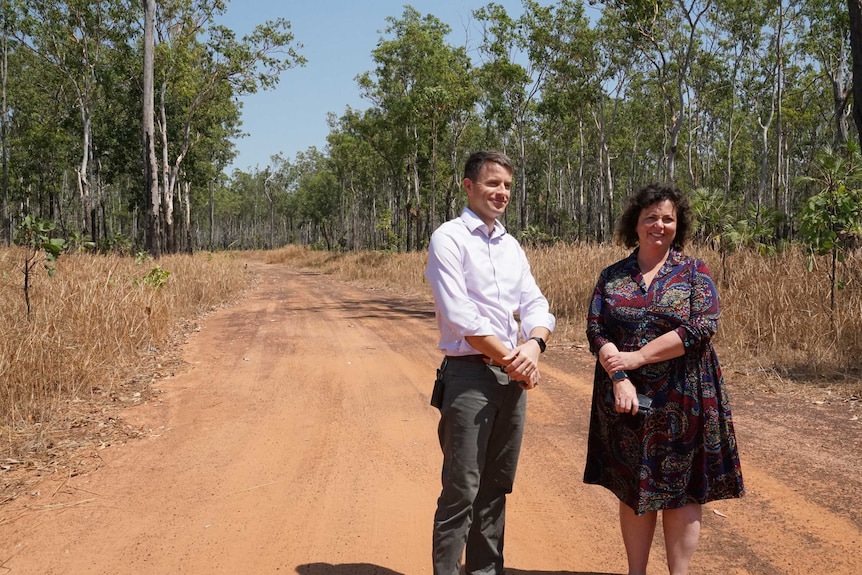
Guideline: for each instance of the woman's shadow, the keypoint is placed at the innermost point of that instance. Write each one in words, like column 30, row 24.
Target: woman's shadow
column 369, row 569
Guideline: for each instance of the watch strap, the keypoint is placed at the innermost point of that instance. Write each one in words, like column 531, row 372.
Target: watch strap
column 541, row 342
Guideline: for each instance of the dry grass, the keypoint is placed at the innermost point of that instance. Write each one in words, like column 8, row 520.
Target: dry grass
column 776, row 318
column 95, row 326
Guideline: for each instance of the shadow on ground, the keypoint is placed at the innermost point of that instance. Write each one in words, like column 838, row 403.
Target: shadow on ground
column 368, row 569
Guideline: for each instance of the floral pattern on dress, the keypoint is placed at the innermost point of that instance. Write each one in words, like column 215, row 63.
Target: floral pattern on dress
column 685, row 450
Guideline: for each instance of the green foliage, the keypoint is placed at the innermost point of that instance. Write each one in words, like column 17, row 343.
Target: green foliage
column 829, row 218
column 141, row 257
column 155, row 278
column 79, row 243
column 390, row 240
column 35, row 235
column 534, row 236
column 589, row 109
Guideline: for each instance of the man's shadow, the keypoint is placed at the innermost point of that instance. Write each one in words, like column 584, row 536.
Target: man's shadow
column 369, row 569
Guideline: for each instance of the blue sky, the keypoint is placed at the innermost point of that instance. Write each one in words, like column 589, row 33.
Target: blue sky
column 338, row 37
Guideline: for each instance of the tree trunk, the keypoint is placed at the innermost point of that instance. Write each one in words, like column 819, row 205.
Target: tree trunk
column 212, row 215
column 855, row 7
column 151, row 176
column 4, row 70
column 187, row 212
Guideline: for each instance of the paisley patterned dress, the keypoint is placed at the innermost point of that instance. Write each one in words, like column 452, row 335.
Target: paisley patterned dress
column 684, row 451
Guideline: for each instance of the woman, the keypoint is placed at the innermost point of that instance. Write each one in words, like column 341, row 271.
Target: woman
column 650, row 323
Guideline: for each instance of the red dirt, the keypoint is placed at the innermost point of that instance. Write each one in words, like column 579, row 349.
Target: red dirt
column 300, row 441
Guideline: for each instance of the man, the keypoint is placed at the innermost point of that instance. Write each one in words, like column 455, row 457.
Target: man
column 480, row 278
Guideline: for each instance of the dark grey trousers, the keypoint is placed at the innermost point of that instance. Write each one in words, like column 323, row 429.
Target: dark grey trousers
column 481, row 427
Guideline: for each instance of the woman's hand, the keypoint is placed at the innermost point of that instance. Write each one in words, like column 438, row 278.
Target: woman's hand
column 625, row 397
column 623, row 360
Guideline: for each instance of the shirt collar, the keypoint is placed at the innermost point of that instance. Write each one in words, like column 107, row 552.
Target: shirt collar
column 473, row 223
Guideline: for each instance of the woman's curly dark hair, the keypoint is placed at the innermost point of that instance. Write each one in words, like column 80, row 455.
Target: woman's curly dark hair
column 627, row 233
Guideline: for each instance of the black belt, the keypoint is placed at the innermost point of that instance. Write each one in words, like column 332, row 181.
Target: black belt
column 475, row 358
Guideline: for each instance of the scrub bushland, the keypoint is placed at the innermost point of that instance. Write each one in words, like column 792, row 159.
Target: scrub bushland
column 95, row 333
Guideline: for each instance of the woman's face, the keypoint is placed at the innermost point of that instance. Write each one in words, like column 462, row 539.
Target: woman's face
column 657, row 225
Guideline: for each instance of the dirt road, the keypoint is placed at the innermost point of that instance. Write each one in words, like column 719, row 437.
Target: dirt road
column 301, row 442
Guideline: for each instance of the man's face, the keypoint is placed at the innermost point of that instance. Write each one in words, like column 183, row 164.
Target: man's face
column 488, row 196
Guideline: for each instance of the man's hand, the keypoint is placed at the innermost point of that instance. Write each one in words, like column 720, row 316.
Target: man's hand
column 522, row 364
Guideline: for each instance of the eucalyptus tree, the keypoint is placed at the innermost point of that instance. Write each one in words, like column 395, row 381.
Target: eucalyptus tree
column 737, row 28
column 204, row 66
column 510, row 88
column 319, row 197
column 418, row 82
column 782, row 97
column 572, row 89
column 203, row 166
column 446, row 106
column 6, row 31
column 854, row 9
column 75, row 38
column 358, row 169
column 42, row 142
column 279, row 181
column 826, row 38
column 667, row 35
column 151, row 183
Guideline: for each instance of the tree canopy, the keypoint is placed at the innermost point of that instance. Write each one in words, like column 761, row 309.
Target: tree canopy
column 733, row 100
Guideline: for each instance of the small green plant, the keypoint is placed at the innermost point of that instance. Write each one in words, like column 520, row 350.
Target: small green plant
column 156, row 277
column 34, row 234
column 533, row 236
column 832, row 217
column 79, row 243
column 141, row 257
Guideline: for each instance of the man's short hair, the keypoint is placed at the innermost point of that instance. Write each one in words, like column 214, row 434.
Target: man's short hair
column 478, row 159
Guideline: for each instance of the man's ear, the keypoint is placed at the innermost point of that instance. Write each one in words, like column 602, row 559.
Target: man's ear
column 468, row 185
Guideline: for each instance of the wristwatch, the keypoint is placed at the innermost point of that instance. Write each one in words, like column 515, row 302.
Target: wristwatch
column 541, row 342
column 619, row 375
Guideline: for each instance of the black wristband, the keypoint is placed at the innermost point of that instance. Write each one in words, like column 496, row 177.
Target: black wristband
column 541, row 342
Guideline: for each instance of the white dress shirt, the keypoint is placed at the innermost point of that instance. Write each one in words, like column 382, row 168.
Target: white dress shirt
column 479, row 281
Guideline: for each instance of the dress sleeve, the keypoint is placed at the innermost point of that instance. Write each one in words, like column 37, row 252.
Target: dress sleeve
column 597, row 333
column 705, row 308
